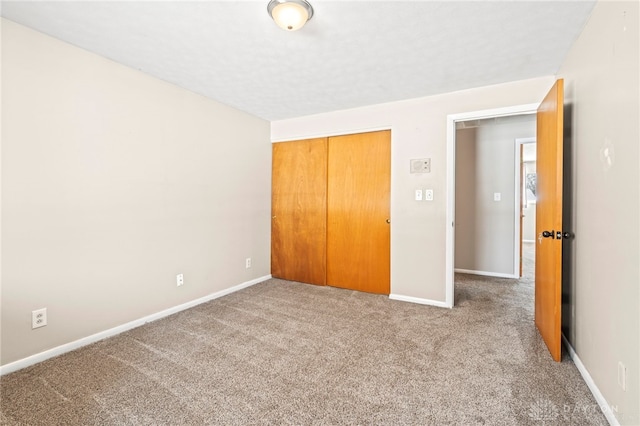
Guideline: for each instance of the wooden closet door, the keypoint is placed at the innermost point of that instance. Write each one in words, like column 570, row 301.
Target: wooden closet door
column 358, row 204
column 299, row 211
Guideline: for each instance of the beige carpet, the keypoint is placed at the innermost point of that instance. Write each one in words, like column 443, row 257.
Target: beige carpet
column 289, row 353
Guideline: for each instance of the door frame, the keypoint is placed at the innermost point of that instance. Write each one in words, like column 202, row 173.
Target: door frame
column 452, row 119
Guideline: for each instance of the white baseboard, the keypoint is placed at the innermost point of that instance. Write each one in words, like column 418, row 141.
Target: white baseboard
column 419, row 300
column 68, row 347
column 607, row 410
column 486, row 274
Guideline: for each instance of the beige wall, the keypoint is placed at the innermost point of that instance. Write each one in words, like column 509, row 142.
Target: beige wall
column 113, row 182
column 418, row 130
column 486, row 229
column 601, row 75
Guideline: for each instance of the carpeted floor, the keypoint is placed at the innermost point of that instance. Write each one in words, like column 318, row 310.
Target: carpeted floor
column 288, row 353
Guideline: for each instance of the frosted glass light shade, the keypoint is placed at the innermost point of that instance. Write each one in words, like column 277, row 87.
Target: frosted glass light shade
column 290, row 15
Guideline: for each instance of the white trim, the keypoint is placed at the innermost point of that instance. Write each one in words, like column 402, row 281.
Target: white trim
column 332, row 134
column 528, row 241
column 607, row 409
column 450, row 211
column 486, row 274
column 68, row 347
column 450, row 181
column 516, row 209
column 419, row 300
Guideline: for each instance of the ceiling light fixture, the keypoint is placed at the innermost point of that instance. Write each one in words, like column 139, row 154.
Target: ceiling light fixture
column 290, row 15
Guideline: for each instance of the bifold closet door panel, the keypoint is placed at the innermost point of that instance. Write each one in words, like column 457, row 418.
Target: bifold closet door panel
column 358, row 212
column 299, row 211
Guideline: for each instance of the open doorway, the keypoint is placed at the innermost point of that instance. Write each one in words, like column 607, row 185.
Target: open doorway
column 488, row 193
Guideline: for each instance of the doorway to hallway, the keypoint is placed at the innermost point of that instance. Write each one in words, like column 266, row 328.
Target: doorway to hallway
column 489, row 211
column 452, row 124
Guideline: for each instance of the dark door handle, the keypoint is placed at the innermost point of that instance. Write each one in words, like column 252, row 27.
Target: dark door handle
column 558, row 235
column 549, row 234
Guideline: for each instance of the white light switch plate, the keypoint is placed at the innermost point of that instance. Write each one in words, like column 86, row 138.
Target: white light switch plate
column 428, row 194
column 418, row 194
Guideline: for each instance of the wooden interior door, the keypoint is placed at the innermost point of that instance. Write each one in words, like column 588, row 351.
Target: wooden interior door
column 548, row 281
column 358, row 205
column 299, row 211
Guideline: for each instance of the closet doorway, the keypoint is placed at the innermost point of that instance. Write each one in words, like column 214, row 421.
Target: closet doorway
column 331, row 211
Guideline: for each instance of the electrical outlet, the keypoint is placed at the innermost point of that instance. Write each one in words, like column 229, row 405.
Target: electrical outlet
column 247, row 263
column 38, row 318
column 179, row 280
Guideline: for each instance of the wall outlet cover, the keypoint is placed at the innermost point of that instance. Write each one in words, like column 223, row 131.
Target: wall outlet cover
column 38, row 318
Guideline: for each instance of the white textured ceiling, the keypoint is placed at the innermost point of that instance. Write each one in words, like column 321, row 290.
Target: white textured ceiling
column 350, row 54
